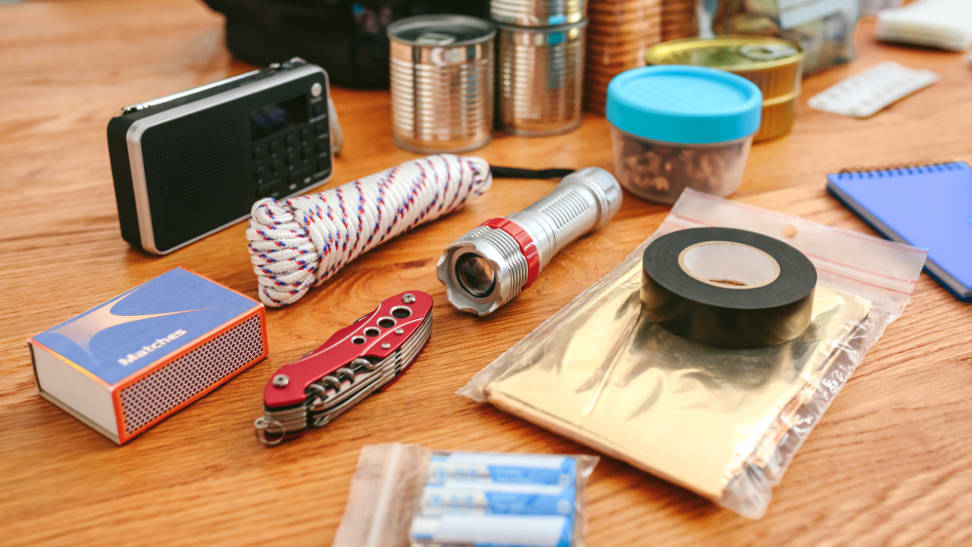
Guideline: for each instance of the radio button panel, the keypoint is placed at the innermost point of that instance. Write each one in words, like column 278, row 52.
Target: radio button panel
column 294, row 157
column 291, row 149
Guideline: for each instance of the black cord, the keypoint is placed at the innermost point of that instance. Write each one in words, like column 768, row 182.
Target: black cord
column 501, row 172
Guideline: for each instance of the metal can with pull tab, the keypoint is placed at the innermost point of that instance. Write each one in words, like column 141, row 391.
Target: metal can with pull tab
column 541, row 76
column 773, row 64
column 441, row 82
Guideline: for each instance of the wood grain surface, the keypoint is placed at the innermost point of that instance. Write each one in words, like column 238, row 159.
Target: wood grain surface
column 890, row 463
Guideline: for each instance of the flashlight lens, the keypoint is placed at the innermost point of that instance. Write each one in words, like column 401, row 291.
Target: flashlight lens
column 475, row 275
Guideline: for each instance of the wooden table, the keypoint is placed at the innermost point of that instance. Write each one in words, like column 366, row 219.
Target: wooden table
column 891, row 461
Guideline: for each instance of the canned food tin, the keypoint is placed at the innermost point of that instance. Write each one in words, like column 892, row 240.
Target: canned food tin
column 541, row 72
column 537, row 13
column 441, row 82
column 678, row 19
column 773, row 64
column 619, row 32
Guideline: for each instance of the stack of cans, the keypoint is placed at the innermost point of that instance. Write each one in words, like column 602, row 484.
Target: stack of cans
column 540, row 65
column 678, row 19
column 619, row 34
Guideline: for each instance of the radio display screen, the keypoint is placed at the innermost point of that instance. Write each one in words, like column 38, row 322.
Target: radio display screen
column 273, row 118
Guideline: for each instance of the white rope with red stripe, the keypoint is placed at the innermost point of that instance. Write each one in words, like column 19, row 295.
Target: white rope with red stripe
column 298, row 243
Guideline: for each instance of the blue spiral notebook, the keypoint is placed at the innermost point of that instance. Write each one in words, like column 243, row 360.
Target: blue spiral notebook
column 928, row 206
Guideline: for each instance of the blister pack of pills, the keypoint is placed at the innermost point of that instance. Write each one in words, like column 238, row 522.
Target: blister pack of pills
column 865, row 94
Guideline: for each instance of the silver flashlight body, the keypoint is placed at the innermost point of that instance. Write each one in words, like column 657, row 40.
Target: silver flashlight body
column 584, row 200
column 490, row 265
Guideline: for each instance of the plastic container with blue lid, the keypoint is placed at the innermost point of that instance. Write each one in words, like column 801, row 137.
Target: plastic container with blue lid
column 675, row 127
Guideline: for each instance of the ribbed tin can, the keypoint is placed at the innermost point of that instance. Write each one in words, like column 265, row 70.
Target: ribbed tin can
column 537, row 13
column 541, row 73
column 678, row 19
column 618, row 34
column 442, row 79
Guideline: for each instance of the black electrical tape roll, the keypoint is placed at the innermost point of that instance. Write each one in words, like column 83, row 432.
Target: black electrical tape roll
column 727, row 288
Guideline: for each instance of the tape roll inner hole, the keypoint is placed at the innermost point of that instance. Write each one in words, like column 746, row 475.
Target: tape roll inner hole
column 729, row 265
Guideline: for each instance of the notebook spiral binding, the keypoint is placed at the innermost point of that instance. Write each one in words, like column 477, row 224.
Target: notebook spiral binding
column 899, row 169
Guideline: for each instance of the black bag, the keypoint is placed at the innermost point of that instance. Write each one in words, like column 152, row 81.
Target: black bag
column 345, row 37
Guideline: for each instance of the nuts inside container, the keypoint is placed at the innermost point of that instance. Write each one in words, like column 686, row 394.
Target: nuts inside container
column 659, row 171
column 677, row 127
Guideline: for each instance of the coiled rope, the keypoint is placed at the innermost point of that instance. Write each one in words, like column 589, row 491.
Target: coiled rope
column 300, row 242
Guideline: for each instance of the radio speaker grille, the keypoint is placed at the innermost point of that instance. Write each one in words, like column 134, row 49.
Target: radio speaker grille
column 162, row 391
column 189, row 163
column 195, row 180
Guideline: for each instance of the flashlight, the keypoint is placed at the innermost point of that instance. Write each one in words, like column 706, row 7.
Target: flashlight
column 497, row 260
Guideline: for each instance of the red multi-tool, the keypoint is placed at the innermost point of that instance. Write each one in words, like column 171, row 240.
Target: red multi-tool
column 353, row 363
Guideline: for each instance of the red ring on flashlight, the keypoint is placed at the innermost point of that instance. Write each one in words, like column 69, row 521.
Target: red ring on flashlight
column 523, row 239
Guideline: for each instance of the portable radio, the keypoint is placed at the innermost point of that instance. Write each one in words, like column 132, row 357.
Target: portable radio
column 189, row 164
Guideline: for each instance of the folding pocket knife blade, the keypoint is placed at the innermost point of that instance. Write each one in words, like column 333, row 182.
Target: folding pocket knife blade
column 364, row 357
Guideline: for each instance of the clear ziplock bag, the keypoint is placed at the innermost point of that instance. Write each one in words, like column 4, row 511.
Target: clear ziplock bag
column 403, row 494
column 724, row 423
column 823, row 28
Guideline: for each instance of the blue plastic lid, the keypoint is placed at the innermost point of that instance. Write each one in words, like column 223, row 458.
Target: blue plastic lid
column 684, row 104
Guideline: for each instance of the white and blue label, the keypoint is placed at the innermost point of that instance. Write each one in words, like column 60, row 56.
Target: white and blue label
column 502, row 468
column 498, row 498
column 493, row 530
